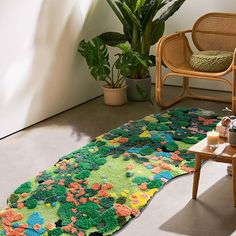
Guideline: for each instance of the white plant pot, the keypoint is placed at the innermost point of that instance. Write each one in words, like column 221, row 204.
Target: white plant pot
column 114, row 96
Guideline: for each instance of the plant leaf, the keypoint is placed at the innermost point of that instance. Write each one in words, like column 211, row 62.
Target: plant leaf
column 113, row 38
column 128, row 24
column 152, row 60
column 129, row 62
column 96, row 54
column 139, row 4
column 158, row 28
column 132, row 16
column 171, row 10
column 116, row 11
column 149, row 11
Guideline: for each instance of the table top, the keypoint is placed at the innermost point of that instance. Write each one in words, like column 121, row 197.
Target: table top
column 223, row 149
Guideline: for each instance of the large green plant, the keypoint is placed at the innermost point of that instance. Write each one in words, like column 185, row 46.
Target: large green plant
column 142, row 28
column 95, row 51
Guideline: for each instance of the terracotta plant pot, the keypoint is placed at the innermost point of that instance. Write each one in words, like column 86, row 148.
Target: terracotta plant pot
column 232, row 138
column 114, row 96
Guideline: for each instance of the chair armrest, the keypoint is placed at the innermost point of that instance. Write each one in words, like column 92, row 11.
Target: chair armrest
column 174, row 49
column 163, row 38
column 233, row 64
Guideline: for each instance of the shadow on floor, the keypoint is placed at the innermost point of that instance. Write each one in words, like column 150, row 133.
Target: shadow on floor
column 94, row 118
column 204, row 216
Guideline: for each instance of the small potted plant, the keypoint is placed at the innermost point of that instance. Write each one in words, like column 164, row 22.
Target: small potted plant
column 232, row 134
column 95, row 51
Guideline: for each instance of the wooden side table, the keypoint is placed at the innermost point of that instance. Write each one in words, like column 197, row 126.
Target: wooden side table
column 223, row 153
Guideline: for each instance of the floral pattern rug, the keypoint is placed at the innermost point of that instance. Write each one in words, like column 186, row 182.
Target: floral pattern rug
column 97, row 189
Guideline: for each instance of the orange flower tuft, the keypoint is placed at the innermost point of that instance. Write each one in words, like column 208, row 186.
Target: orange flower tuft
column 50, row 225
column 73, row 230
column 24, row 195
column 74, row 210
column 165, row 166
column 143, row 186
column 81, row 234
column 109, row 185
column 123, row 140
column 176, row 157
column 187, row 169
column 135, row 212
column 83, row 200
column 50, row 181
column 122, row 210
column 103, row 193
column 20, row 205
column 68, row 227
column 36, row 227
column 96, row 186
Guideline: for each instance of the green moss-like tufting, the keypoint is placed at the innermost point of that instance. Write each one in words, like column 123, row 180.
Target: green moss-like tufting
column 171, row 146
column 31, row 203
column 90, row 209
column 129, row 174
column 122, row 221
column 140, row 179
column 109, row 217
column 211, row 61
column 24, row 188
column 189, row 140
column 65, row 213
column 83, row 174
column 100, row 161
column 190, row 164
column 13, row 198
column 121, row 200
column 84, row 223
column 107, row 202
column 146, row 151
column 155, row 184
column 55, row 232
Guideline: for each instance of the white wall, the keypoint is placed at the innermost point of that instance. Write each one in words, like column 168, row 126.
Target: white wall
column 41, row 73
column 190, row 11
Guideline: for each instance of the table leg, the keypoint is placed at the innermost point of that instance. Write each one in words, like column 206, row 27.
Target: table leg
column 197, row 170
column 234, row 179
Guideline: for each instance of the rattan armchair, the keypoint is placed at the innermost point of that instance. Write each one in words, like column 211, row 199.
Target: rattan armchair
column 213, row 31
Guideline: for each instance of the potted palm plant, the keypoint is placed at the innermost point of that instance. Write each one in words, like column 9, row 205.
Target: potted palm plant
column 96, row 53
column 142, row 28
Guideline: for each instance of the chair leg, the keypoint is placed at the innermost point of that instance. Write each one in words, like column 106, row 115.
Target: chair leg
column 234, row 92
column 186, row 85
column 160, row 87
column 158, row 80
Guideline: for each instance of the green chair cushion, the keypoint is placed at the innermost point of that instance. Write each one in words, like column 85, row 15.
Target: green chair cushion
column 211, row 61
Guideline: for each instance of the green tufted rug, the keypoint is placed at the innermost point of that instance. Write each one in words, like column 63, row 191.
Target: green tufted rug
column 97, row 189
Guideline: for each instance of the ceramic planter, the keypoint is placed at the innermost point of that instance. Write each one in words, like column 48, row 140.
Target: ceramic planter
column 133, row 93
column 114, row 96
column 232, row 138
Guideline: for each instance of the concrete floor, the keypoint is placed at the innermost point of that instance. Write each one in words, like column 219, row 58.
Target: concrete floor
column 170, row 212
